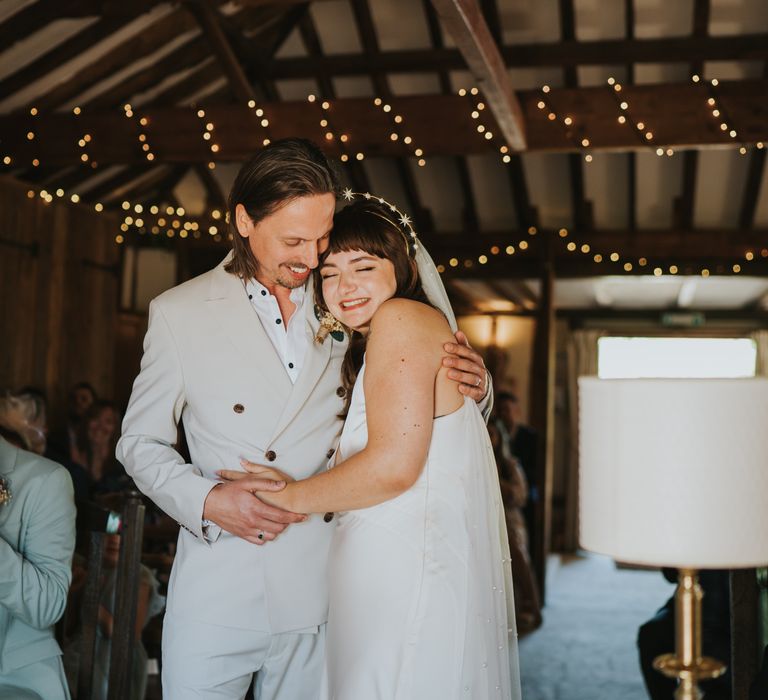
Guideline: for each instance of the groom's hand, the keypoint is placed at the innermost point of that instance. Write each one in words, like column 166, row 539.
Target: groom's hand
column 234, row 507
column 466, row 367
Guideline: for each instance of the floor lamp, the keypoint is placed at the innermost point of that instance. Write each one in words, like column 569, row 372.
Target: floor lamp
column 674, row 473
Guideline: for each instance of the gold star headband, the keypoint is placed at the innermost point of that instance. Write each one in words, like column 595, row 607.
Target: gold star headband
column 411, row 241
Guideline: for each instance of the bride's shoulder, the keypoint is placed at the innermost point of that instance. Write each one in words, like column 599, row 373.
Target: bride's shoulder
column 408, row 312
column 410, row 324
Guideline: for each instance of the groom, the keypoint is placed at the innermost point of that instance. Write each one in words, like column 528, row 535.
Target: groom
column 231, row 354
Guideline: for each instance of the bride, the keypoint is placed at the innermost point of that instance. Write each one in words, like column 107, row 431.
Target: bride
column 420, row 593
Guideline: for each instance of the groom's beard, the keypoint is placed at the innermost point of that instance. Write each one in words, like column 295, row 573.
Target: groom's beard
column 289, row 279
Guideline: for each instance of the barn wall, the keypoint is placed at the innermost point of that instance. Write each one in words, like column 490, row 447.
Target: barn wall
column 59, row 287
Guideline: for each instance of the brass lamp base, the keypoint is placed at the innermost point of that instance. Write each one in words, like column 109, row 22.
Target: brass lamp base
column 687, row 664
column 706, row 669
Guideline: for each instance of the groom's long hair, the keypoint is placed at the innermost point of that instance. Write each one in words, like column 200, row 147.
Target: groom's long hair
column 369, row 226
column 279, row 173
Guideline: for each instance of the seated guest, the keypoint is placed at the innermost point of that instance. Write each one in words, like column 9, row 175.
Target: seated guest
column 50, row 448
column 79, row 399
column 96, row 439
column 37, row 537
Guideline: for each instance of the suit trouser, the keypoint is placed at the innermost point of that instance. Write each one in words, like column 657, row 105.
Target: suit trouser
column 43, row 679
column 206, row 662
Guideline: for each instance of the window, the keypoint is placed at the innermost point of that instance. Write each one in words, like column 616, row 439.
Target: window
column 630, row 358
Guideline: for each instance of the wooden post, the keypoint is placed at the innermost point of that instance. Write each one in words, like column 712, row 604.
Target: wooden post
column 542, row 403
column 126, row 600
column 90, row 614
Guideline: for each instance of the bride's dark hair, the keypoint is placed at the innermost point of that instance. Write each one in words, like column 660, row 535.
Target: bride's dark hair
column 370, row 227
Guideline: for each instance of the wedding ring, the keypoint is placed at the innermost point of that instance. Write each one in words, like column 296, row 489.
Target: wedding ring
column 479, row 381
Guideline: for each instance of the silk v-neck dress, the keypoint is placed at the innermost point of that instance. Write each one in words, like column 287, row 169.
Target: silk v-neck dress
column 421, row 603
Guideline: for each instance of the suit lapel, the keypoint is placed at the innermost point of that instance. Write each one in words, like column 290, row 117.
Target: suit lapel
column 229, row 304
column 315, row 362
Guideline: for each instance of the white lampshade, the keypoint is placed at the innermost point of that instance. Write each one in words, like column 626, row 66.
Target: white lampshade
column 674, row 472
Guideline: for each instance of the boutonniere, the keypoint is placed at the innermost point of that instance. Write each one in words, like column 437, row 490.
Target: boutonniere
column 5, row 492
column 329, row 324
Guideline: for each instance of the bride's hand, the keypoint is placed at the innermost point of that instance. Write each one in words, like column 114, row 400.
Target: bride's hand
column 253, row 469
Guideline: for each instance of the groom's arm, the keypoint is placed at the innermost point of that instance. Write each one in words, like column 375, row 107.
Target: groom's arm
column 150, row 429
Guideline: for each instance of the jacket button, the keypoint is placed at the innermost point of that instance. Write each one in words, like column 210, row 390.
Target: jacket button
column 330, row 453
column 238, row 408
column 328, row 517
column 341, row 392
column 270, row 456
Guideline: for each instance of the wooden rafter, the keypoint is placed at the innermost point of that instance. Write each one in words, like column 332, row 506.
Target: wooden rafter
column 606, row 52
column 160, row 32
column 465, row 22
column 60, row 54
column 440, row 124
column 209, row 19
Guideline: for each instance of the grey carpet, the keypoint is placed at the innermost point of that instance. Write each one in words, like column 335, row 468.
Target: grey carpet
column 585, row 650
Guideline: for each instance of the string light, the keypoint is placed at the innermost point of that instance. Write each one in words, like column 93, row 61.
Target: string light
column 330, row 133
column 644, row 134
column 143, row 122
column 580, row 140
column 395, row 135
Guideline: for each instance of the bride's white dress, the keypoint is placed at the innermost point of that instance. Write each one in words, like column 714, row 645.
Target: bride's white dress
column 420, row 586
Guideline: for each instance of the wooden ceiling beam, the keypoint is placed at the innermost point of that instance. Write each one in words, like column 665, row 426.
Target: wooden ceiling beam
column 32, row 18
column 160, row 32
column 465, row 22
column 604, row 52
column 60, row 54
column 440, row 124
column 209, row 19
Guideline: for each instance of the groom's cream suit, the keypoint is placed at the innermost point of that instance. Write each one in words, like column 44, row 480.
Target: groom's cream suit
column 209, row 363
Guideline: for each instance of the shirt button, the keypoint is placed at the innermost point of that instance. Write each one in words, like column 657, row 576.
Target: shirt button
column 278, row 321
column 238, row 408
column 290, row 365
column 341, row 392
column 330, row 453
column 263, row 292
column 250, row 296
column 328, row 517
column 270, row 456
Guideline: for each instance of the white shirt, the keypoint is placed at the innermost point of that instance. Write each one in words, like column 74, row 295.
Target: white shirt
column 290, row 340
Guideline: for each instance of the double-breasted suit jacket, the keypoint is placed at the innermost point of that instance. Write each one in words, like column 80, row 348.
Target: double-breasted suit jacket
column 209, row 363
column 37, row 538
